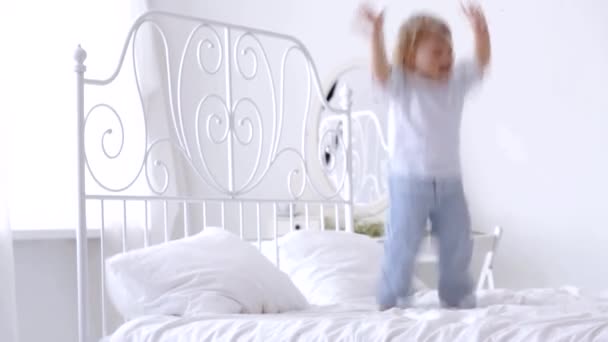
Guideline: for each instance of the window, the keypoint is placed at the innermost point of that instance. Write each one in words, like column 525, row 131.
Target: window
column 38, row 104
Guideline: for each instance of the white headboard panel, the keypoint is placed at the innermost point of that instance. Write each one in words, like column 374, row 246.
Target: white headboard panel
column 202, row 123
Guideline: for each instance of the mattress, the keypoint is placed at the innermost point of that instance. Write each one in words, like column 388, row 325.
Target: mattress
column 532, row 315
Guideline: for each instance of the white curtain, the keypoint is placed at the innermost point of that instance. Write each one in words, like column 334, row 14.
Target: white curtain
column 8, row 304
column 102, row 26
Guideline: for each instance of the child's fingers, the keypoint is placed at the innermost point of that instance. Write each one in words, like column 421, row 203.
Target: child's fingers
column 478, row 10
column 366, row 18
column 367, row 11
column 474, row 12
column 466, row 9
column 479, row 16
column 371, row 16
column 379, row 20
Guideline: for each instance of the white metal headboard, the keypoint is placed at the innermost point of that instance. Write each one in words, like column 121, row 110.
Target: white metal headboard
column 216, row 117
column 369, row 147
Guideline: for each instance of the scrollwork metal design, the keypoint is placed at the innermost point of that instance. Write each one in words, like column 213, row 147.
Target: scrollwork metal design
column 240, row 121
column 219, row 121
column 369, row 156
column 209, row 45
column 108, row 133
column 248, row 51
column 158, row 164
column 240, row 49
column 247, row 121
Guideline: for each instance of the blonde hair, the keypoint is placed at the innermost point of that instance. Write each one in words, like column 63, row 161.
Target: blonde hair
column 412, row 32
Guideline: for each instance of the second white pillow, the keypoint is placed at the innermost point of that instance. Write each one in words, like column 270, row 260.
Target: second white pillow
column 332, row 267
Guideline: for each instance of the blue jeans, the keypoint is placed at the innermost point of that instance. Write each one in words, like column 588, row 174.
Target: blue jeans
column 413, row 201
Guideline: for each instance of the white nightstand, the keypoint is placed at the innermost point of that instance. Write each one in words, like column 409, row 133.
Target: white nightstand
column 486, row 243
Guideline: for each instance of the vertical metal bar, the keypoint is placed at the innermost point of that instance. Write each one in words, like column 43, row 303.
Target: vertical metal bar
column 230, row 122
column 276, row 232
column 291, row 225
column 346, row 98
column 322, row 216
column 104, row 328
column 223, row 210
column 258, row 225
column 124, row 226
column 186, row 227
column 146, row 227
column 166, row 219
column 204, row 214
column 307, row 221
column 241, row 223
column 81, row 235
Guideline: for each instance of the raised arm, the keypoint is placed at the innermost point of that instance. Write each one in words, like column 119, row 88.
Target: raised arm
column 380, row 65
column 483, row 48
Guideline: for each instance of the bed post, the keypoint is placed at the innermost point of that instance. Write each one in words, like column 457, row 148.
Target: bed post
column 346, row 102
column 81, row 233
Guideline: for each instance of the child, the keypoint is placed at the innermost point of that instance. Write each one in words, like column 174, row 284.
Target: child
column 426, row 92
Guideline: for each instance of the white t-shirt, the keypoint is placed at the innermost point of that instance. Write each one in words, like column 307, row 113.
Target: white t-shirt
column 424, row 120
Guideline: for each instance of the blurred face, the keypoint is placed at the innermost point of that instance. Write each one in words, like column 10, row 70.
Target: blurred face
column 434, row 57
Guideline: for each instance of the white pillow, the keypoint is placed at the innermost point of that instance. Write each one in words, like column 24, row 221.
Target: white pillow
column 332, row 267
column 211, row 272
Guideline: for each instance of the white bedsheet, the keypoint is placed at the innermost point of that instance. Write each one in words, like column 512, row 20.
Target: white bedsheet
column 531, row 315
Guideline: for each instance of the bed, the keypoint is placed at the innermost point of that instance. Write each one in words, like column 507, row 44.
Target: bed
column 531, row 315
column 189, row 173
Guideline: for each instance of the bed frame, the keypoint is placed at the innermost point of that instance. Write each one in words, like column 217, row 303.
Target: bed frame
column 279, row 160
column 266, row 160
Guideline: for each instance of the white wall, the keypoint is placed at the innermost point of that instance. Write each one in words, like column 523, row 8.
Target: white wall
column 45, row 278
column 532, row 140
column 533, row 136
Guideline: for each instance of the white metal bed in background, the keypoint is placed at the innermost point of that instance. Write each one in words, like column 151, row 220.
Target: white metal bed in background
column 369, row 153
column 244, row 141
column 369, row 150
column 226, row 123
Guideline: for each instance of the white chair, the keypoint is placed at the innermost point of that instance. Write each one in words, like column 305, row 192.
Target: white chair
column 486, row 276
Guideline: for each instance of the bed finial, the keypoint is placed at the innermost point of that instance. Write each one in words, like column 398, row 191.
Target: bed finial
column 346, row 97
column 79, row 56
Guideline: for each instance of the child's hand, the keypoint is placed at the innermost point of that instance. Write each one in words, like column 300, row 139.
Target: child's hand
column 380, row 65
column 370, row 17
column 480, row 29
column 476, row 17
